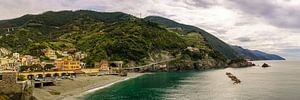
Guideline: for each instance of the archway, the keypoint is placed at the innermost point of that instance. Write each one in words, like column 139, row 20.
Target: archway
column 30, row 77
column 48, row 75
column 40, row 76
column 113, row 65
column 55, row 75
column 63, row 74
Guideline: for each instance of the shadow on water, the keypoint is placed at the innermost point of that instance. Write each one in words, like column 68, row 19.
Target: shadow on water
column 149, row 86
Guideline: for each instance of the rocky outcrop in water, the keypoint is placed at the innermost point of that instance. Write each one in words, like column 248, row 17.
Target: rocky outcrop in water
column 265, row 65
column 241, row 64
column 233, row 78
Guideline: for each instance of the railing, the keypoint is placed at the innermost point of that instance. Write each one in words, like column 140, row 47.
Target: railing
column 153, row 63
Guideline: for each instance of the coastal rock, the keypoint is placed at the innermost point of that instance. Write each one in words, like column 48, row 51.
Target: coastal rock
column 233, row 78
column 265, row 65
column 241, row 64
column 198, row 65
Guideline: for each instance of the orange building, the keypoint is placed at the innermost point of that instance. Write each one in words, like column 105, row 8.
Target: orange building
column 67, row 63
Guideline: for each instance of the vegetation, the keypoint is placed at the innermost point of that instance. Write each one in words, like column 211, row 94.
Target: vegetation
column 112, row 36
column 34, row 67
column 212, row 41
column 49, row 66
column 21, row 77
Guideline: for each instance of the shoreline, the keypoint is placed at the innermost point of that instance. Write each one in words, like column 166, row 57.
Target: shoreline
column 81, row 95
column 80, row 86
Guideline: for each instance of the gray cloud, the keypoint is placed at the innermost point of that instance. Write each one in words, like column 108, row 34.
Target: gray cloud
column 244, row 39
column 272, row 11
column 200, row 3
column 290, row 53
column 268, row 25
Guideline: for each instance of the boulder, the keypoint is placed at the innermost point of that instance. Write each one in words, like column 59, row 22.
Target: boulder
column 265, row 65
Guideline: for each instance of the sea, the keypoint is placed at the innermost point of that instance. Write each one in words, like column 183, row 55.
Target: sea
column 281, row 81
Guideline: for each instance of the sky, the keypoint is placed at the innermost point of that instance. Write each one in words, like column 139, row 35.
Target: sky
column 272, row 26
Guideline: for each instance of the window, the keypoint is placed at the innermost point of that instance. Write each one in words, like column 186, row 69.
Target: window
column 0, row 76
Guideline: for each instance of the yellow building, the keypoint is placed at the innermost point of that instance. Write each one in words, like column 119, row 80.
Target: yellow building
column 50, row 53
column 67, row 63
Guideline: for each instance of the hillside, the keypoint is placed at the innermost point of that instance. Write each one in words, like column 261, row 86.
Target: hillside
column 212, row 41
column 256, row 55
column 104, row 35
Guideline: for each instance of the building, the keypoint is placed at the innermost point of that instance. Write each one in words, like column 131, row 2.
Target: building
column 4, row 52
column 192, row 49
column 27, row 60
column 50, row 53
column 103, row 65
column 67, row 63
column 16, row 55
column 80, row 55
column 82, row 65
column 7, row 64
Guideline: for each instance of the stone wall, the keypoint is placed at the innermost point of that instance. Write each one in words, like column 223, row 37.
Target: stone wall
column 9, row 84
column 14, row 90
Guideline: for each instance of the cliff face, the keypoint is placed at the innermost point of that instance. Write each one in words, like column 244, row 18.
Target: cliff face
column 204, row 64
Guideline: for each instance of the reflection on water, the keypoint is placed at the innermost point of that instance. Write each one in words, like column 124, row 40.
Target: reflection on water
column 279, row 82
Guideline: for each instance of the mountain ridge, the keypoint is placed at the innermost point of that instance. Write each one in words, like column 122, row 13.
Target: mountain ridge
column 112, row 36
column 249, row 54
column 256, row 54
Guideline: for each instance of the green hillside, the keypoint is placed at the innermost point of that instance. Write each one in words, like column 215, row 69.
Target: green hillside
column 213, row 41
column 106, row 35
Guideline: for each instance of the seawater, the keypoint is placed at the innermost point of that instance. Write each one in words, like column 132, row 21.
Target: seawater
column 279, row 82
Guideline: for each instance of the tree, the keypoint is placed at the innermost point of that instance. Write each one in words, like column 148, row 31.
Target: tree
column 23, row 68
column 21, row 78
column 49, row 66
column 36, row 67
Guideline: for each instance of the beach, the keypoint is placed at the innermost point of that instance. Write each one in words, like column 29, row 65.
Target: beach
column 81, row 85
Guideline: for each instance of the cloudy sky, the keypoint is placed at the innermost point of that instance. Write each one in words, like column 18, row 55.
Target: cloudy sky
column 268, row 25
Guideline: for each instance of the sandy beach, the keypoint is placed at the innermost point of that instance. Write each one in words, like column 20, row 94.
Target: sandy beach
column 70, row 89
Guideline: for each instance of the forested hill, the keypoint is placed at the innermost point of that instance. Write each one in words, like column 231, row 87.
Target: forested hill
column 230, row 52
column 109, row 35
column 213, row 41
column 256, row 54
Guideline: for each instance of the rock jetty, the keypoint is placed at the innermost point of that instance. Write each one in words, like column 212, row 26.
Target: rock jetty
column 233, row 78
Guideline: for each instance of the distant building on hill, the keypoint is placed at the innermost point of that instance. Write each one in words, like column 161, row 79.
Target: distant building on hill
column 67, row 63
column 4, row 52
column 192, row 49
column 27, row 60
column 7, row 64
column 50, row 53
column 80, row 55
column 16, row 55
